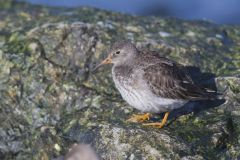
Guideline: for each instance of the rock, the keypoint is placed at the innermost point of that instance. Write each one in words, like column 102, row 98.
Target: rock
column 81, row 151
column 50, row 100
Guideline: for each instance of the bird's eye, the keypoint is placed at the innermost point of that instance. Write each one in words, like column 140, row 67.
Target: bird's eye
column 117, row 52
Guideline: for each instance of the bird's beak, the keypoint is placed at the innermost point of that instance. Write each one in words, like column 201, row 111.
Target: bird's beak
column 108, row 60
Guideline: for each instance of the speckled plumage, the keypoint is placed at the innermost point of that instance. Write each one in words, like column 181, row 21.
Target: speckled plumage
column 152, row 83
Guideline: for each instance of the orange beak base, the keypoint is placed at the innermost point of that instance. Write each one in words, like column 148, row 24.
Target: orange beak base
column 108, row 60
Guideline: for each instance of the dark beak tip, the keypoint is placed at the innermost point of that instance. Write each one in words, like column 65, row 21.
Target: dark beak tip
column 96, row 68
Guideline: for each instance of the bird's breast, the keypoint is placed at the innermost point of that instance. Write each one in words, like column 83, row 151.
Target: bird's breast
column 132, row 89
column 135, row 91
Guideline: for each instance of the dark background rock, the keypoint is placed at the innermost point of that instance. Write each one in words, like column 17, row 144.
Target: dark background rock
column 49, row 99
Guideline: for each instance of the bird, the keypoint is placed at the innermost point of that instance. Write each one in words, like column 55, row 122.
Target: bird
column 151, row 83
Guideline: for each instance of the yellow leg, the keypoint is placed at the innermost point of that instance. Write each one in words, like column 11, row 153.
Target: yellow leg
column 159, row 124
column 139, row 118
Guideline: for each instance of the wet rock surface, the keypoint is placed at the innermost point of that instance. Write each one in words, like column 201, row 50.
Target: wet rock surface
column 50, row 100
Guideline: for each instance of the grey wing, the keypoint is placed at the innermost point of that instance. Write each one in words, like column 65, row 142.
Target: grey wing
column 169, row 80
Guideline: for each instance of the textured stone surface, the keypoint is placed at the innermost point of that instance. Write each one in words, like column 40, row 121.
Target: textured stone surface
column 49, row 99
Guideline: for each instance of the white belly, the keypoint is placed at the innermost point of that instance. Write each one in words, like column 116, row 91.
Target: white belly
column 144, row 100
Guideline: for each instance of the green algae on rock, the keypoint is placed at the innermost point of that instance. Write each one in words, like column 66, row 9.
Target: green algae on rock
column 49, row 99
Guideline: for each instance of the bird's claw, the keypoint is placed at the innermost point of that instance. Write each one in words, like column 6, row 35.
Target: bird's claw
column 139, row 118
column 159, row 124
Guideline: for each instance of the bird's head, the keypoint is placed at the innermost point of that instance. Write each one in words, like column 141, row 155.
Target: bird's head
column 120, row 53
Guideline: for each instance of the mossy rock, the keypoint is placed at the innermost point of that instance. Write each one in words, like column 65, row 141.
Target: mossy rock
column 50, row 99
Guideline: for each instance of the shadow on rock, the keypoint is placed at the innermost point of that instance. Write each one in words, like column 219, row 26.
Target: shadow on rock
column 196, row 107
column 205, row 79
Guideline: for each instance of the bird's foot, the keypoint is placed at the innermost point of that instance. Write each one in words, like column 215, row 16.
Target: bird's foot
column 156, row 124
column 139, row 118
column 159, row 124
